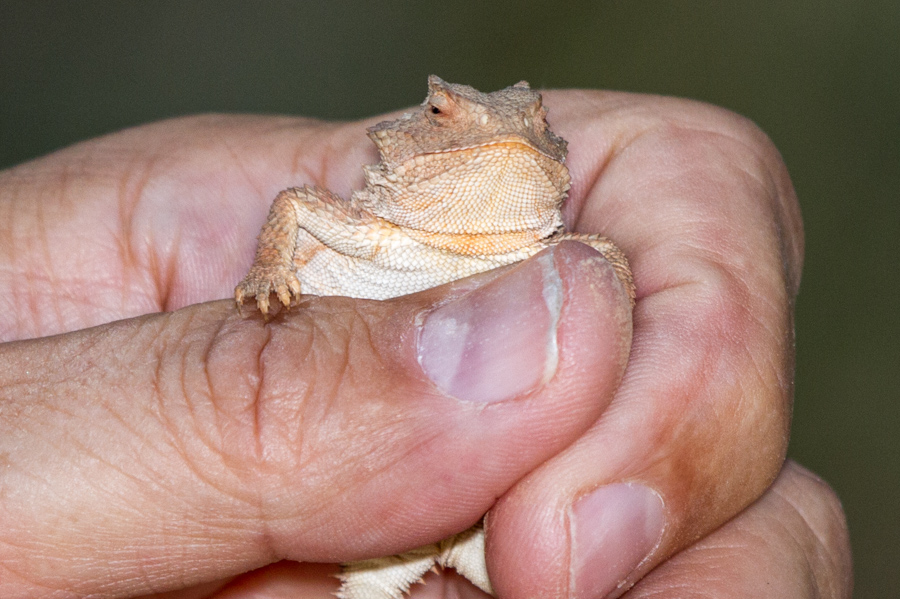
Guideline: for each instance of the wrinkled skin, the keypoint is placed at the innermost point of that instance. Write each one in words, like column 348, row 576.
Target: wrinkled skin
column 187, row 453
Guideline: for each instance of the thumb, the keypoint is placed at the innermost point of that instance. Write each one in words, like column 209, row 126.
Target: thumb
column 172, row 449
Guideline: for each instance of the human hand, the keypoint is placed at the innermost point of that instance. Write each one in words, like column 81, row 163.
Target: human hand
column 184, row 448
column 792, row 543
column 175, row 451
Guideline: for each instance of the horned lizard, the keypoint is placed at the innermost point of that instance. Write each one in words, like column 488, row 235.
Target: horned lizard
column 467, row 182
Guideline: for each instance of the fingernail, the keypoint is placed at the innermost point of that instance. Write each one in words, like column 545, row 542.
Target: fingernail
column 612, row 529
column 498, row 341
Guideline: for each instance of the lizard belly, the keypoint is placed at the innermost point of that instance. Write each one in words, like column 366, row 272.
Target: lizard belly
column 399, row 272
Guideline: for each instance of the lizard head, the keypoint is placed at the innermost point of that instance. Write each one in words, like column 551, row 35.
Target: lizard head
column 457, row 117
column 469, row 162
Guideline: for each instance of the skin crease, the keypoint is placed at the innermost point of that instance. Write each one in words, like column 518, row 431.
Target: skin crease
column 170, row 453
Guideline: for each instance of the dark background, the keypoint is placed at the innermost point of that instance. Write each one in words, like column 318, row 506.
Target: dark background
column 821, row 77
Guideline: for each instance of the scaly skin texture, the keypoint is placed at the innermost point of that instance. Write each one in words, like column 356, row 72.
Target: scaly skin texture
column 466, row 183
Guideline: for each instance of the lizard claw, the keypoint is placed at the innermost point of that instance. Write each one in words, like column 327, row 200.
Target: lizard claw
column 260, row 283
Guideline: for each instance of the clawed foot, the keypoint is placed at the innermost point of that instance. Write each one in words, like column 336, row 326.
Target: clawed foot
column 261, row 282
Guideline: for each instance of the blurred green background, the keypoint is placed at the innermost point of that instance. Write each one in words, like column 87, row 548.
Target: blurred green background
column 821, row 77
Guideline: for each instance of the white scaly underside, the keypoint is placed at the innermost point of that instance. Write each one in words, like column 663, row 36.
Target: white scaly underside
column 363, row 256
column 390, row 577
column 402, row 266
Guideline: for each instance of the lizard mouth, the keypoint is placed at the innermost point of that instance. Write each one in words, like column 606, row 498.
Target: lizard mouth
column 512, row 141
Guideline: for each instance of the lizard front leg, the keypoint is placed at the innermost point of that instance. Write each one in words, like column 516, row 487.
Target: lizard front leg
column 284, row 244
column 272, row 269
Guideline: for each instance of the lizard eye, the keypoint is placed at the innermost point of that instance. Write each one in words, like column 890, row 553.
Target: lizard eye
column 439, row 108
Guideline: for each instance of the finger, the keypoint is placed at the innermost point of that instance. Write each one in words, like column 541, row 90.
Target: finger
column 699, row 427
column 154, row 218
column 281, row 580
column 173, row 449
column 792, row 543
